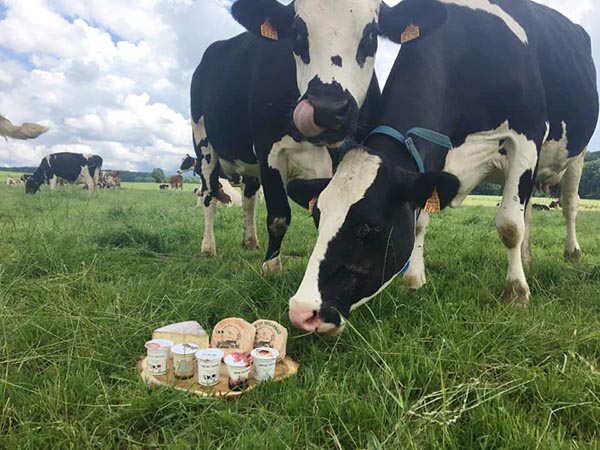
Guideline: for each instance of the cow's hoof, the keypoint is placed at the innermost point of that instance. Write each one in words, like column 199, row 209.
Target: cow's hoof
column 572, row 255
column 250, row 244
column 516, row 293
column 414, row 281
column 208, row 250
column 272, row 266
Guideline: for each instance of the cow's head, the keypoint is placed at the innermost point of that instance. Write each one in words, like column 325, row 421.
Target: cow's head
column 32, row 186
column 334, row 43
column 366, row 218
column 187, row 164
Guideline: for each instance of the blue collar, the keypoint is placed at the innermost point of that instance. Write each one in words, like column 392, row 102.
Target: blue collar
column 432, row 136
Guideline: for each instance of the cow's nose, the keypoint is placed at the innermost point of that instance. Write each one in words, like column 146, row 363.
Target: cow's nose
column 305, row 320
column 332, row 114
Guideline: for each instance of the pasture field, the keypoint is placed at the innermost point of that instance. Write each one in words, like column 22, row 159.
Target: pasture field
column 85, row 279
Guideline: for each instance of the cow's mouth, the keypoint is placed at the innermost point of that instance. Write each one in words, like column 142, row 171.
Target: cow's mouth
column 304, row 119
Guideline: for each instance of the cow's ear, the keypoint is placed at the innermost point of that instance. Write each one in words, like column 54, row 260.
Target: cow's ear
column 304, row 191
column 266, row 18
column 419, row 188
column 411, row 19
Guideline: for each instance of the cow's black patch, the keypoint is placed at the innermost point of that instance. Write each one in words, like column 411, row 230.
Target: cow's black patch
column 503, row 151
column 208, row 158
column 204, row 142
column 301, row 45
column 337, row 60
column 525, row 186
column 367, row 46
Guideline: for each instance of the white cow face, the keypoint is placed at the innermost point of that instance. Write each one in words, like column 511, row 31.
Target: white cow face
column 366, row 220
column 334, row 44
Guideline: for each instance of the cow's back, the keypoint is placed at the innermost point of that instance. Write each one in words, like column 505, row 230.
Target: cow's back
column 569, row 77
column 242, row 82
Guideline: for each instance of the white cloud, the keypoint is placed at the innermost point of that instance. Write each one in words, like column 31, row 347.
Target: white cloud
column 112, row 77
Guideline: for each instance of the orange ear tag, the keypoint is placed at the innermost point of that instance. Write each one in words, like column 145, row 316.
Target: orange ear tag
column 410, row 33
column 433, row 203
column 267, row 30
column 311, row 205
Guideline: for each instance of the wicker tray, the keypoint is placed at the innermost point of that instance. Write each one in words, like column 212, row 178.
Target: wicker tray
column 284, row 369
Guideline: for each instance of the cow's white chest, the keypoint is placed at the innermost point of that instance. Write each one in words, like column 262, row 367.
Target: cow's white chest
column 299, row 160
column 238, row 167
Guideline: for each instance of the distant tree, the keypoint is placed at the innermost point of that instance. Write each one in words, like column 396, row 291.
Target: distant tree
column 590, row 180
column 158, row 176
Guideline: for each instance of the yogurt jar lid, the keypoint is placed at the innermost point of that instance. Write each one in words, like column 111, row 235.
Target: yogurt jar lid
column 264, row 353
column 185, row 349
column 159, row 344
column 238, row 359
column 209, row 354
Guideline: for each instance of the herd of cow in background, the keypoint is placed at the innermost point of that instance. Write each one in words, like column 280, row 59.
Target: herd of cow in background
column 65, row 168
column 501, row 91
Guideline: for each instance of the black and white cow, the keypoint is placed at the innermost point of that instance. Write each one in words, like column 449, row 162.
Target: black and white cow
column 266, row 103
column 68, row 167
column 512, row 83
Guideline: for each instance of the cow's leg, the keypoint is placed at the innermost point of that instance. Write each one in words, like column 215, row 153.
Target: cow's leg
column 526, row 245
column 414, row 278
column 279, row 216
column 570, row 204
column 251, row 186
column 209, row 175
column 53, row 182
column 510, row 219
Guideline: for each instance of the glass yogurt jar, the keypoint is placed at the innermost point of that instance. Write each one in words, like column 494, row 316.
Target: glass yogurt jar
column 183, row 360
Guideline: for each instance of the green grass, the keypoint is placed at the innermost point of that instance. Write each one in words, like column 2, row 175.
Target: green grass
column 84, row 281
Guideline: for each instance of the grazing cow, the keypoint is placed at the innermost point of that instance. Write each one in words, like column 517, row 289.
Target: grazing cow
column 163, row 187
column 513, row 85
column 540, row 207
column 110, row 179
column 67, row 167
column 266, row 103
column 176, row 182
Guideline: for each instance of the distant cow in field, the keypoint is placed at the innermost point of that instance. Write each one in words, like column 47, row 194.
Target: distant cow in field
column 10, row 181
column 73, row 168
column 110, row 179
column 162, row 187
column 555, row 204
column 539, row 207
column 176, row 182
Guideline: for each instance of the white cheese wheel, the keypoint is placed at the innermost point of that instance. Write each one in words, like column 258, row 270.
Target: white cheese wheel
column 233, row 335
column 271, row 334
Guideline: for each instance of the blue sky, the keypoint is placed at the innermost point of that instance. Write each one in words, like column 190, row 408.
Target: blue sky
column 112, row 77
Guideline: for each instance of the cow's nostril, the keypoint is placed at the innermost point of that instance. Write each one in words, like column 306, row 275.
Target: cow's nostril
column 305, row 320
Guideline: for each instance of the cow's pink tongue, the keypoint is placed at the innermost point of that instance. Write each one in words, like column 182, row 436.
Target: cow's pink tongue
column 304, row 119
